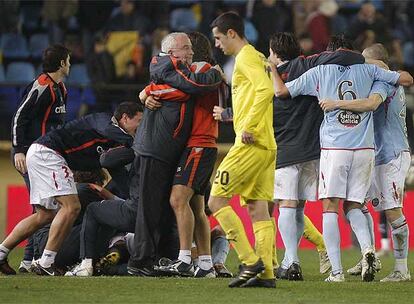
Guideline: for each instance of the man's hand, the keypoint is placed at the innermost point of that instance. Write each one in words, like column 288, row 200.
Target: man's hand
column 142, row 96
column 152, row 103
column 247, row 138
column 20, row 162
column 217, row 110
column 218, row 68
column 329, row 104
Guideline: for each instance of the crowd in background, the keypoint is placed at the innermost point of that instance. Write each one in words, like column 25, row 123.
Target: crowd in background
column 113, row 66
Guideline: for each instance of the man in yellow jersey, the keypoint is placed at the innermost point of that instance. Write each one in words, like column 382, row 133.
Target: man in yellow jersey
column 248, row 168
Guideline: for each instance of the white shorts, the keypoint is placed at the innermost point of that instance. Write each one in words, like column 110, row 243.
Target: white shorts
column 297, row 182
column 49, row 176
column 346, row 174
column 387, row 188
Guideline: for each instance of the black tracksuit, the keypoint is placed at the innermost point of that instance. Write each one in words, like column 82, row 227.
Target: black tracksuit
column 159, row 143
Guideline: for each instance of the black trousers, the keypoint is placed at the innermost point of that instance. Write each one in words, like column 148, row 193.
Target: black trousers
column 101, row 221
column 67, row 255
column 155, row 228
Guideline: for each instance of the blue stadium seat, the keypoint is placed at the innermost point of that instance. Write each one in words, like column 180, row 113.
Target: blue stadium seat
column 78, row 74
column 88, row 97
column 2, row 74
column 14, row 45
column 37, row 44
column 74, row 103
column 9, row 99
column 20, row 72
column 183, row 19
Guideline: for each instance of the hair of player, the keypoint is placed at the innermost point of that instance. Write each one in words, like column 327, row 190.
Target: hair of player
column 339, row 42
column 97, row 176
column 377, row 51
column 227, row 21
column 201, row 47
column 169, row 42
column 53, row 56
column 285, row 45
column 130, row 108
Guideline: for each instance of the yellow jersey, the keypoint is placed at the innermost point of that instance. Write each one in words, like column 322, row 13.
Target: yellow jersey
column 252, row 97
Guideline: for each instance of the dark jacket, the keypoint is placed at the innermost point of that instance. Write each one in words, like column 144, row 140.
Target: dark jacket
column 163, row 134
column 82, row 141
column 43, row 108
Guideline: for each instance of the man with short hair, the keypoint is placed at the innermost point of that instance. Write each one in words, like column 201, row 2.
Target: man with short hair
column 43, row 108
column 248, row 168
column 296, row 124
column 392, row 161
column 50, row 159
column 347, row 143
column 161, row 138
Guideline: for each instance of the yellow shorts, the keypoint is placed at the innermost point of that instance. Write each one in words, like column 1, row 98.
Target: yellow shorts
column 248, row 171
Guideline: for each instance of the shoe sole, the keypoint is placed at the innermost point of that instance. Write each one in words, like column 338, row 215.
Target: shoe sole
column 369, row 275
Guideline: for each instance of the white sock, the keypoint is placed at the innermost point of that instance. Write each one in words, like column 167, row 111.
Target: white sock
column 185, row 256
column 287, row 229
column 400, row 235
column 385, row 244
column 48, row 258
column 370, row 221
column 87, row 263
column 359, row 225
column 332, row 240
column 300, row 224
column 4, row 252
column 401, row 266
column 205, row 262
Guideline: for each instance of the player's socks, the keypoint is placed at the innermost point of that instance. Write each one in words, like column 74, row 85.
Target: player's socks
column 205, row 262
column 370, row 221
column 263, row 232
column 235, row 233
column 300, row 224
column 332, row 240
column 359, row 225
column 312, row 234
column 287, row 229
column 87, row 263
column 220, row 250
column 185, row 256
column 400, row 235
column 4, row 252
column 274, row 249
column 48, row 258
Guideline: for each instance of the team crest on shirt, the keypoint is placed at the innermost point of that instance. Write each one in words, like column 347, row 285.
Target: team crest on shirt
column 349, row 119
column 375, row 202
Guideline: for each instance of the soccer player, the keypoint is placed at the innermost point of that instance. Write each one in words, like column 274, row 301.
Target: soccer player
column 296, row 125
column 194, row 170
column 43, row 108
column 160, row 141
column 347, row 154
column 392, row 161
column 50, row 159
column 248, row 168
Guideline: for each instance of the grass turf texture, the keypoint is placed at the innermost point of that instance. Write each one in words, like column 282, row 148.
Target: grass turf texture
column 30, row 288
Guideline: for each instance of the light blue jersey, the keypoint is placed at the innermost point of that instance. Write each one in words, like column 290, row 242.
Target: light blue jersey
column 390, row 129
column 342, row 129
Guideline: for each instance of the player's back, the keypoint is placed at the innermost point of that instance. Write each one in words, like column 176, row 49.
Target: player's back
column 389, row 125
column 340, row 128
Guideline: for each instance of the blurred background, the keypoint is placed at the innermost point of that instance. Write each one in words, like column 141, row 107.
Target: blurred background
column 113, row 41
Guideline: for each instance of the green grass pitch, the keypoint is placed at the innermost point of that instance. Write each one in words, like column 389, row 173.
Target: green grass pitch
column 33, row 289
